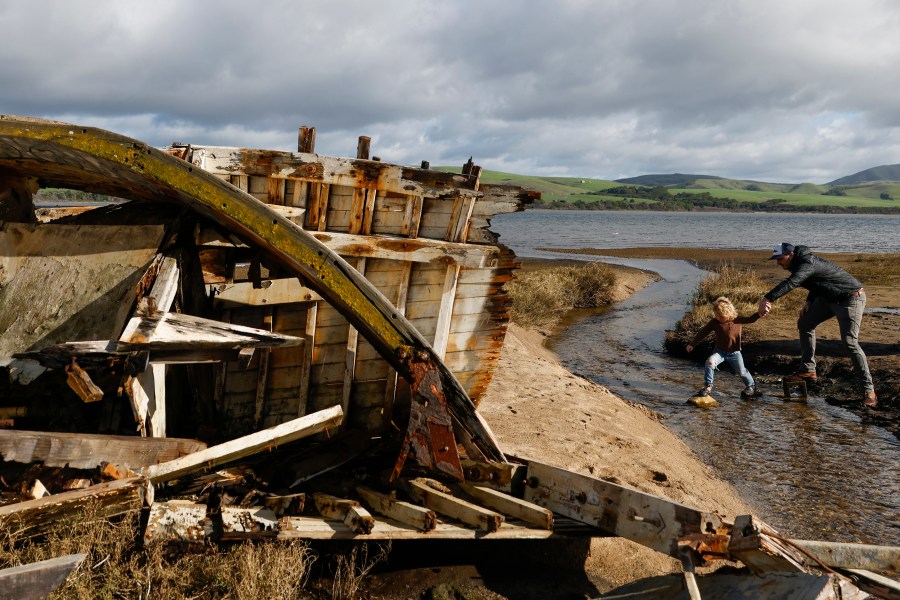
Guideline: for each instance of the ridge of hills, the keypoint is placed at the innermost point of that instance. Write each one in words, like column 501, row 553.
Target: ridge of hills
column 872, row 190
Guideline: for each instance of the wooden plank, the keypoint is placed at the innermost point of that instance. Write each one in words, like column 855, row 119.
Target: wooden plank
column 262, row 375
column 275, row 193
column 753, row 544
column 311, row 528
column 80, row 382
column 100, row 290
column 323, row 194
column 885, row 559
column 310, row 339
column 617, row 509
column 32, row 517
column 176, row 331
column 349, row 512
column 416, row 250
column 350, row 355
column 177, row 520
column 89, row 451
column 412, row 217
column 37, row 579
column 390, row 394
column 510, row 505
column 277, row 292
column 165, row 286
column 404, row 512
column 336, row 171
column 247, row 445
column 147, row 393
column 444, row 503
column 445, row 312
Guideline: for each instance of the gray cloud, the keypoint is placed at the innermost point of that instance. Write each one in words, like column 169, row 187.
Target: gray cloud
column 762, row 89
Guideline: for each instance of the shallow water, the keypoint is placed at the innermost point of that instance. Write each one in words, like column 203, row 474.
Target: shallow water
column 812, row 470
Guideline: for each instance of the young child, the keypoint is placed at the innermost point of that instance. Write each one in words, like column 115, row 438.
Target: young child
column 727, row 326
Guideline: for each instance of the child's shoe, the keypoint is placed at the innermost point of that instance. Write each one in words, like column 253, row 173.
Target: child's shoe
column 751, row 392
column 702, row 392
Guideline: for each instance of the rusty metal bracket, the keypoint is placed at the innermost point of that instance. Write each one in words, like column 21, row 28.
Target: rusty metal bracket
column 705, row 546
column 429, row 436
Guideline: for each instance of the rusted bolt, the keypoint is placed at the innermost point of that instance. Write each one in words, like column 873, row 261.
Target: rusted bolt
column 532, row 482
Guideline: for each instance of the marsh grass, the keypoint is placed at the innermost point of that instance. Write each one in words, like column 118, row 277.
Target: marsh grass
column 541, row 297
column 117, row 566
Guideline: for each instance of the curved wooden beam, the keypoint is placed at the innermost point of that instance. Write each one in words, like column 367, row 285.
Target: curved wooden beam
column 90, row 159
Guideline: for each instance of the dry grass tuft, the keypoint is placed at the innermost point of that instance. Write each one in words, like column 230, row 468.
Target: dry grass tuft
column 118, row 567
column 351, row 569
column 541, row 297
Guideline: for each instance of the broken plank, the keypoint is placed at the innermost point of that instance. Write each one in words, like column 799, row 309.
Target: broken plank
column 175, row 331
column 80, row 383
column 640, row 517
column 404, row 512
column 759, row 546
column 417, row 250
column 89, row 451
column 278, row 291
column 32, row 517
column 455, row 508
column 349, row 512
column 248, row 523
column 510, row 505
column 853, row 556
column 165, row 286
column 37, row 579
column 247, row 445
column 177, row 520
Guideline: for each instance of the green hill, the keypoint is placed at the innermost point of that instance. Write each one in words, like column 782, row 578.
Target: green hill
column 672, row 179
column 882, row 173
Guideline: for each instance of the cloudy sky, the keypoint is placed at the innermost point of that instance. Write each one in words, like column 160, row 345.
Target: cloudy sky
column 772, row 90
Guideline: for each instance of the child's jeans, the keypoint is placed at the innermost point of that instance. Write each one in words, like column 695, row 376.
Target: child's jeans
column 732, row 358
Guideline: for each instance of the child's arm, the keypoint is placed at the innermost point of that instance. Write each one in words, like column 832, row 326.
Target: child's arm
column 745, row 320
column 704, row 331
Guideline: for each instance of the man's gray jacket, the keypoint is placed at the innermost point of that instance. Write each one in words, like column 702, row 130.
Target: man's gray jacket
column 823, row 279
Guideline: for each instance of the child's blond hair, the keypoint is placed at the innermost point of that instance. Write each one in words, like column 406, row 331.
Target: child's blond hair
column 722, row 307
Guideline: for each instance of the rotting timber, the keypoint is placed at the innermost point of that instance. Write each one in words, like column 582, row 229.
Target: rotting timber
column 258, row 344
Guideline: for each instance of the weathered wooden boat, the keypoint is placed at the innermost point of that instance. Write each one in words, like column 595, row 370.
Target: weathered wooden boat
column 321, row 328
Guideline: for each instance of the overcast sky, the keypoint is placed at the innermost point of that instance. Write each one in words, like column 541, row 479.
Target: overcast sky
column 772, row 90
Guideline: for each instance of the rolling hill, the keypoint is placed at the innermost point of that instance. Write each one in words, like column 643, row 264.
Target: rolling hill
column 882, row 173
column 677, row 191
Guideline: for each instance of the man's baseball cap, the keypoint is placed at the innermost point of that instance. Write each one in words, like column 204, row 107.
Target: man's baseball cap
column 781, row 249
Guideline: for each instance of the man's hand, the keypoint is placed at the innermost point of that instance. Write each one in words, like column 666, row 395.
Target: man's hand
column 805, row 308
column 764, row 307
